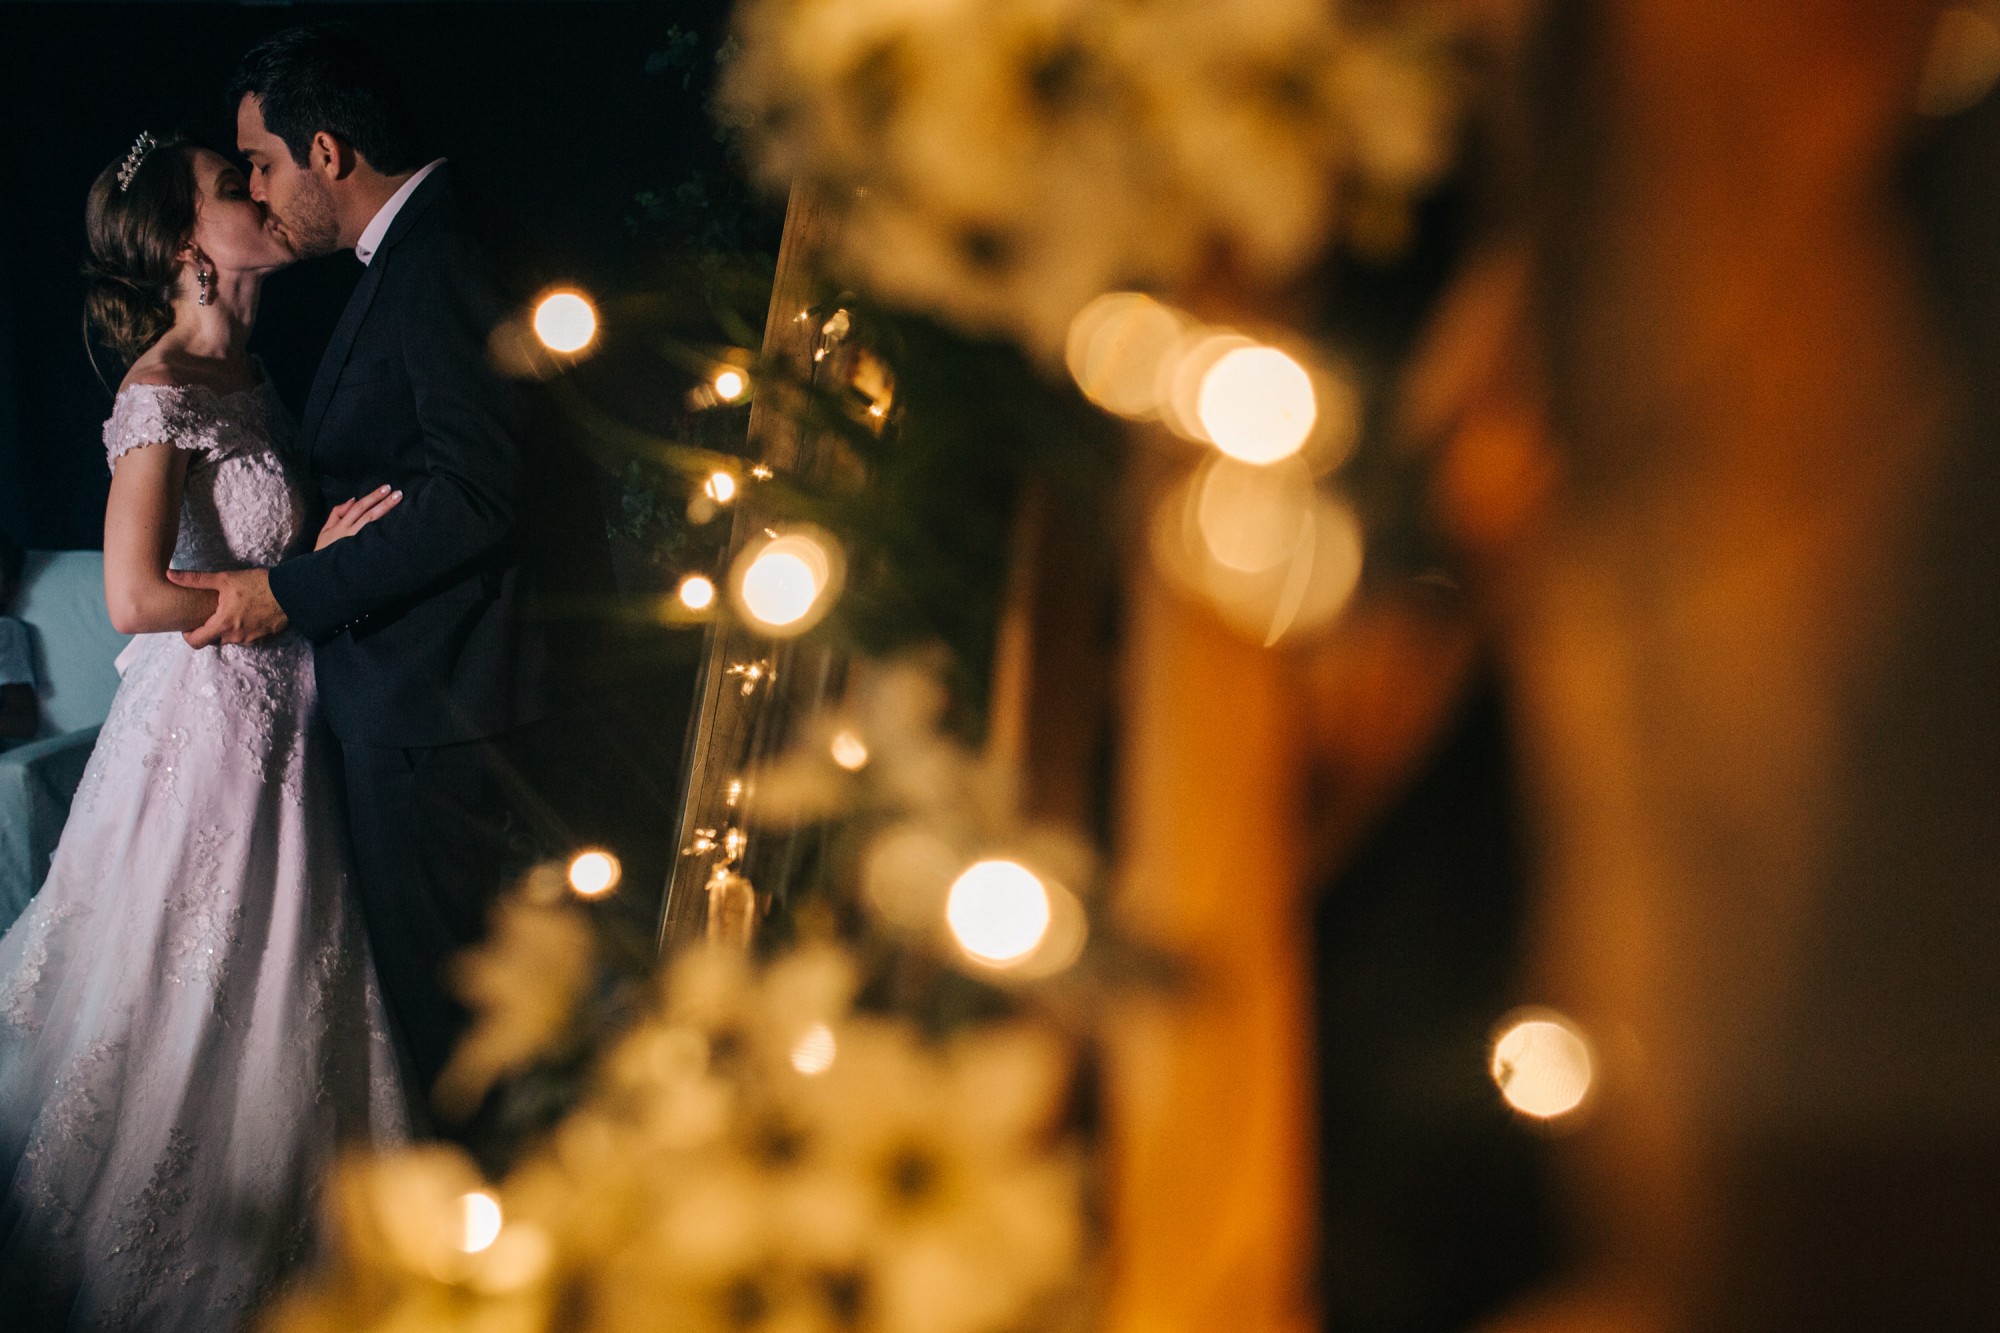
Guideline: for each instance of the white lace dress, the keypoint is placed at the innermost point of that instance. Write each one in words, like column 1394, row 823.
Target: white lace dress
column 189, row 1022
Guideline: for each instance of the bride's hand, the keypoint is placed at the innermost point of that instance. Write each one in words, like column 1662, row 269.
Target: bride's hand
column 353, row 515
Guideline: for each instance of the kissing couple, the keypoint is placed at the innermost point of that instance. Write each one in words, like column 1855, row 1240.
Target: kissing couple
column 235, row 965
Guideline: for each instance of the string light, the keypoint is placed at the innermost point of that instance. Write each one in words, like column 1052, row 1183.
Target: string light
column 479, row 1221
column 814, row 1053
column 849, row 751
column 565, row 322
column 720, row 487
column 594, row 873
column 1256, row 404
column 697, row 592
column 1542, row 1064
column 751, row 674
column 729, row 385
column 998, row 911
column 784, row 584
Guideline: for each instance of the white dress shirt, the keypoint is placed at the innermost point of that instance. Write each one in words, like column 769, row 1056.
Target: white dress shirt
column 378, row 226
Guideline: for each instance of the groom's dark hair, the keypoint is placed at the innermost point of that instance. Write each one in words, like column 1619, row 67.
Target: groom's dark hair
column 324, row 77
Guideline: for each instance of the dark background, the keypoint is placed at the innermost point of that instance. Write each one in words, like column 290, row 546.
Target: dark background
column 548, row 108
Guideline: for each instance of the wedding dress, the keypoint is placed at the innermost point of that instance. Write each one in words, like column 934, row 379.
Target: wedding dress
column 189, row 1022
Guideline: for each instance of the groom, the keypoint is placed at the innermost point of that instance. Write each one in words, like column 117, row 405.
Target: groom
column 430, row 668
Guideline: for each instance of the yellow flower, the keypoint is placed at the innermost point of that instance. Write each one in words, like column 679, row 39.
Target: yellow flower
column 752, row 1157
column 522, row 984
column 749, row 1020
column 1003, row 162
column 968, row 1216
column 424, row 1244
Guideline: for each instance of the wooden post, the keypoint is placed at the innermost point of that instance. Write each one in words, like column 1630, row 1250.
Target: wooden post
column 1209, row 1092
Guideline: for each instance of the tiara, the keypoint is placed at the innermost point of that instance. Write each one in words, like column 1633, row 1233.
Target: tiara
column 141, row 146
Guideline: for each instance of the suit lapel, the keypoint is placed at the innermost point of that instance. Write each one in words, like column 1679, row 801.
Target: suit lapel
column 335, row 361
column 331, row 366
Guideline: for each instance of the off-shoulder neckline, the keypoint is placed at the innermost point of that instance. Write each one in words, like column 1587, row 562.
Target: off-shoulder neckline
column 255, row 389
column 256, row 363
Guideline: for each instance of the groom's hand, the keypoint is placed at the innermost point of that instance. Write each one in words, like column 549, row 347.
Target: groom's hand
column 245, row 610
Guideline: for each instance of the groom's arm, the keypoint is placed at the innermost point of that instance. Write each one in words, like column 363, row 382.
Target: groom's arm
column 467, row 503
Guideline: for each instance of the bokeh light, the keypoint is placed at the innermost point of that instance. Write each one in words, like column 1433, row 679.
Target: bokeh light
column 906, row 872
column 1542, row 1064
column 1062, row 944
column 479, row 1221
column 729, row 385
column 1251, row 518
column 1116, row 348
column 565, row 322
column 720, row 487
column 519, row 1258
column 781, row 587
column 1256, row 404
column 1182, row 372
column 1963, row 63
column 998, row 911
column 594, row 873
column 849, row 751
column 697, row 592
column 1272, row 555
column 785, row 584
column 814, row 1052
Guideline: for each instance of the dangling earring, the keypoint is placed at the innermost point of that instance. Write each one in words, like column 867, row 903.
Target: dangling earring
column 202, row 280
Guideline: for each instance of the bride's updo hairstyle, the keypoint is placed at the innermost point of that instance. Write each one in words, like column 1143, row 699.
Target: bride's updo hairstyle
column 137, row 221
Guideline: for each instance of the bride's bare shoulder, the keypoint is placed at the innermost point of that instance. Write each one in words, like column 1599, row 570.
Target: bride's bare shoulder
column 155, row 371
column 166, row 370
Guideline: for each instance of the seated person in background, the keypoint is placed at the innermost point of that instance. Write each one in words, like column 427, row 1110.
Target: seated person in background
column 17, row 667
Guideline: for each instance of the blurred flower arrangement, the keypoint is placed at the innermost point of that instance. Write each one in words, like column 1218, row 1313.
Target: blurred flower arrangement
column 756, row 1154
column 1003, row 162
column 1111, row 187
column 875, row 1118
column 815, row 1142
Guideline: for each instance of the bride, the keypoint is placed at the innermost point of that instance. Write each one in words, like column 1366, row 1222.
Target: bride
column 189, row 1023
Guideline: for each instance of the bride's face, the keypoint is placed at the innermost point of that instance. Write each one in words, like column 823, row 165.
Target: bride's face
column 230, row 227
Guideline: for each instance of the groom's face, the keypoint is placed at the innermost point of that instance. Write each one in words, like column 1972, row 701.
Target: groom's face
column 300, row 205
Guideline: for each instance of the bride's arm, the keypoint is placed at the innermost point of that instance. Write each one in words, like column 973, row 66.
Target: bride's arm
column 140, row 525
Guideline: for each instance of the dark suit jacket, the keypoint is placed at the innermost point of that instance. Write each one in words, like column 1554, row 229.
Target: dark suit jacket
column 419, row 622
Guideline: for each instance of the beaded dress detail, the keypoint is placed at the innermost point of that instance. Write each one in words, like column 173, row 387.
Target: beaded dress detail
column 189, row 1022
